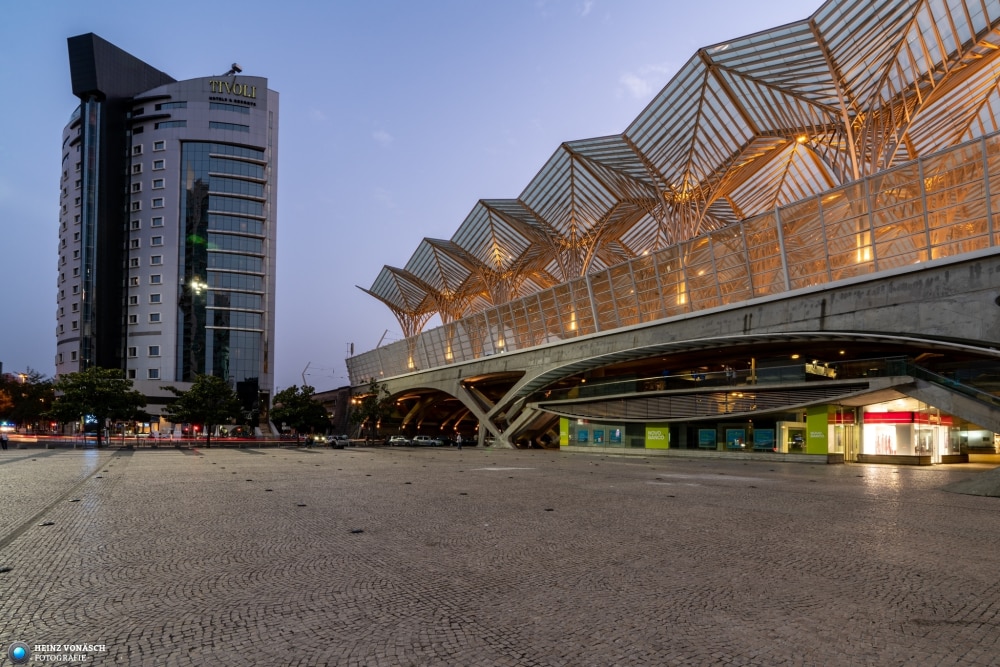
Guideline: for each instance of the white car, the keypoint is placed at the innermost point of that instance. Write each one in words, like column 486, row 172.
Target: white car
column 426, row 440
column 337, row 441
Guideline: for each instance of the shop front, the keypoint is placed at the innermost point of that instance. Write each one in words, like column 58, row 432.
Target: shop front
column 908, row 437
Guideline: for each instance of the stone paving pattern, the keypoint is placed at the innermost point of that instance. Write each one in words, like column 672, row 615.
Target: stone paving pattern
column 485, row 557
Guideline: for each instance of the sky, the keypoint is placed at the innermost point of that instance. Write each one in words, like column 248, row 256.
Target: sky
column 397, row 116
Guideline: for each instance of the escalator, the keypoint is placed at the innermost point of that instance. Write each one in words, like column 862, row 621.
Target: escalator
column 950, row 396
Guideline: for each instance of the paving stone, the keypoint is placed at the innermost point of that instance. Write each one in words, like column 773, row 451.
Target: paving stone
column 166, row 559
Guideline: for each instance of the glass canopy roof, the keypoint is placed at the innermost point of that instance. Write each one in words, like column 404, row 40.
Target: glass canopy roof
column 744, row 127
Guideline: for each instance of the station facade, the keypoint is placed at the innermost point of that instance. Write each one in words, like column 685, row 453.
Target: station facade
column 791, row 251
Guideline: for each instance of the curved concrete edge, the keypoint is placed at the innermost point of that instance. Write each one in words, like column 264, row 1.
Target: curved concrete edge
column 984, row 484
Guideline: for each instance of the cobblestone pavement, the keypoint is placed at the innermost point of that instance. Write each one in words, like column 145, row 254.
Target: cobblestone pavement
column 484, row 557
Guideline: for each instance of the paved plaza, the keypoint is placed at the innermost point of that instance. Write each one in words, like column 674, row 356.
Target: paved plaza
column 384, row 556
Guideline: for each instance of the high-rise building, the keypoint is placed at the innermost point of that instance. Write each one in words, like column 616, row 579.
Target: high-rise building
column 167, row 225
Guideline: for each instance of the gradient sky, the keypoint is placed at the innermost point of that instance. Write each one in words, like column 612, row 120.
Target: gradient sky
column 396, row 118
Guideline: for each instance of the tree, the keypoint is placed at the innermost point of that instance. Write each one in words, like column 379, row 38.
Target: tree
column 25, row 398
column 370, row 408
column 297, row 408
column 210, row 401
column 101, row 393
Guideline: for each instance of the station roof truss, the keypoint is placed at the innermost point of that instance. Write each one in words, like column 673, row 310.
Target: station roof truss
column 744, row 127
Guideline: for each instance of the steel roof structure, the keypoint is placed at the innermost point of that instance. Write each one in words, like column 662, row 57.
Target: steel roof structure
column 745, row 127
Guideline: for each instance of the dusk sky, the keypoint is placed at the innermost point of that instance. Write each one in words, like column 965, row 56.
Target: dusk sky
column 396, row 118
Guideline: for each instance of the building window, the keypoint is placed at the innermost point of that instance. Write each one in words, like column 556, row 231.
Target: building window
column 154, row 318
column 60, row 357
column 156, row 240
column 131, row 373
column 233, row 127
column 75, row 325
column 155, row 279
column 76, row 201
column 158, row 202
column 154, row 298
column 76, row 254
column 133, row 281
column 171, row 105
column 137, row 187
column 76, row 289
column 159, row 146
column 133, row 243
column 156, row 260
column 133, row 262
column 153, row 373
column 72, row 355
column 76, row 272
column 133, row 319
column 222, row 106
column 137, row 149
column 171, row 123
column 154, row 350
column 156, row 222
column 136, row 224
column 137, row 206
column 159, row 164
column 158, row 184
column 137, row 168
column 75, row 307
column 133, row 300
column 133, row 352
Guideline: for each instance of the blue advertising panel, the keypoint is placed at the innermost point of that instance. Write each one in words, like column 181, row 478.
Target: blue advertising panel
column 706, row 438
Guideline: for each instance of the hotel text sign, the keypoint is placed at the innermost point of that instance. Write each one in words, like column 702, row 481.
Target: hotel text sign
column 234, row 88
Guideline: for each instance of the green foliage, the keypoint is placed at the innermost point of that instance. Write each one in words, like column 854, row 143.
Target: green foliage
column 25, row 398
column 370, row 408
column 210, row 401
column 299, row 409
column 101, row 392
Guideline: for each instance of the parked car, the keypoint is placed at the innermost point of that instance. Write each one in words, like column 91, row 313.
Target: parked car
column 398, row 441
column 337, row 441
column 426, row 440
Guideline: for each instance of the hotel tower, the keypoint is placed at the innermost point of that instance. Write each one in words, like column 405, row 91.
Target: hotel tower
column 168, row 201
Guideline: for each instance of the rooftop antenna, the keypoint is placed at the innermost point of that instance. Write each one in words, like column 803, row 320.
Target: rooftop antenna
column 234, row 70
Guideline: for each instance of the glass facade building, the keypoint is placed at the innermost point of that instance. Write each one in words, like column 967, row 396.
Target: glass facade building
column 167, row 226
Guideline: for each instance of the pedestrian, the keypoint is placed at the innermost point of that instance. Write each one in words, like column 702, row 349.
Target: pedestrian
column 458, row 440
column 3, row 440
